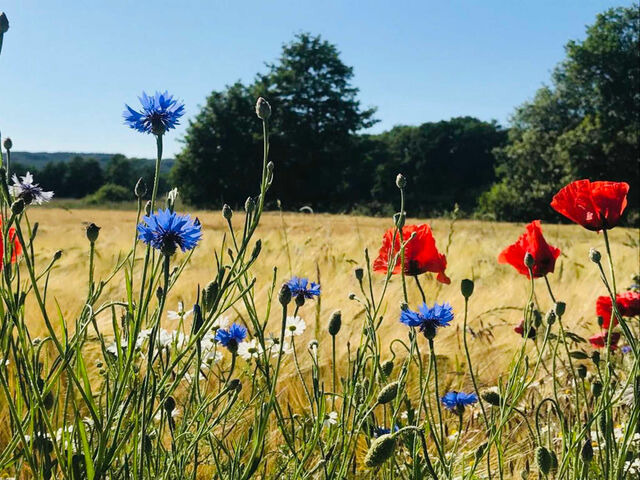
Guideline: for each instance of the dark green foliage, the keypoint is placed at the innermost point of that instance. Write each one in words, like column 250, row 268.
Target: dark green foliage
column 110, row 192
column 585, row 125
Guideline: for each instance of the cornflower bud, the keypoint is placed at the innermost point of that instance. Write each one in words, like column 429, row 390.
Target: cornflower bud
column 235, row 385
column 551, row 317
column 595, row 255
column 249, row 204
column 560, row 308
column 335, row 323
column 582, row 371
column 491, row 397
column 285, row 295
column 596, row 389
column 169, row 405
column 57, row 255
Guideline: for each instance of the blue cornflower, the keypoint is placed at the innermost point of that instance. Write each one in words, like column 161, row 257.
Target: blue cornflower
column 379, row 431
column 456, row 401
column 232, row 336
column 160, row 113
column 625, row 349
column 302, row 287
column 167, row 230
column 428, row 319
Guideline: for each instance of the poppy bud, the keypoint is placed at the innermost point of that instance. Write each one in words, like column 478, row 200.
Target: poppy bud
column 387, row 367
column 466, row 287
column 594, row 255
column 235, row 385
column 595, row 357
column 335, row 322
column 388, row 393
column 285, row 295
column 57, row 255
column 4, row 23
column 587, row 451
column 249, row 204
column 359, row 273
column 8, row 144
column 263, row 109
column 17, row 207
column 227, row 213
column 401, row 181
column 543, row 459
column 169, row 405
column 582, row 371
column 551, row 317
column 596, row 389
column 491, row 397
column 560, row 308
column 529, row 261
column 147, row 207
column 381, row 449
column 140, row 189
column 159, row 292
column 92, row 232
column 352, row 296
column 270, row 167
column 554, row 460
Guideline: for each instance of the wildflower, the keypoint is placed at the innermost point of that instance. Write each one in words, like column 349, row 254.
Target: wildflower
column 379, row 431
column 531, row 242
column 220, row 322
column 248, row 350
column 303, row 287
column 166, row 231
column 16, row 247
column 173, row 338
column 295, row 326
column 594, row 205
column 272, row 345
column 428, row 319
column 600, row 340
column 420, row 253
column 628, row 304
column 28, row 191
column 179, row 314
column 231, row 337
column 625, row 349
column 160, row 112
column 457, row 401
column 519, row 329
column 330, row 418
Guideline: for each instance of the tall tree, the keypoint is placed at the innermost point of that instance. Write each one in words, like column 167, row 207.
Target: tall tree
column 584, row 125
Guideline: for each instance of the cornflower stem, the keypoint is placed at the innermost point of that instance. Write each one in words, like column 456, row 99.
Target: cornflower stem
column 436, row 390
column 156, row 178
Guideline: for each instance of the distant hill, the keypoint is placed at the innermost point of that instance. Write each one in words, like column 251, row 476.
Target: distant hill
column 40, row 159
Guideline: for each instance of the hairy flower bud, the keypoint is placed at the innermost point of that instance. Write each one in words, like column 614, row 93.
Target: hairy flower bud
column 169, row 405
column 227, row 213
column 17, row 207
column 381, row 449
column 587, row 451
column 466, row 287
column 8, row 144
column 335, row 322
column 263, row 109
column 595, row 357
column 359, row 273
column 57, row 255
column 92, row 232
column 594, row 255
column 398, row 219
column 147, row 208
column 249, row 204
column 234, row 385
column 401, row 181
column 388, row 393
column 560, row 308
column 491, row 397
column 387, row 367
column 551, row 317
column 596, row 389
column 543, row 459
column 582, row 371
column 529, row 261
column 285, row 295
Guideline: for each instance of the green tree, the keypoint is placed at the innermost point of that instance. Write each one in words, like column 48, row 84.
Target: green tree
column 584, row 125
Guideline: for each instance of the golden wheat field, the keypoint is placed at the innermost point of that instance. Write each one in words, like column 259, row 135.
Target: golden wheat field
column 329, row 247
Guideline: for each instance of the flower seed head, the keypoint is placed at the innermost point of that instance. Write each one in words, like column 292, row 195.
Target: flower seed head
column 466, row 287
column 335, row 323
column 92, row 232
column 388, row 393
column 381, row 449
column 8, row 144
column 263, row 109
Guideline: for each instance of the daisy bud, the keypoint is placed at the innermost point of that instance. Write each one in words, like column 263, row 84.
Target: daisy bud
column 147, row 208
column 92, row 232
column 596, row 389
column 529, row 261
column 582, row 371
column 8, row 144
column 57, row 255
column 263, row 109
column 466, row 287
column 140, row 189
column 285, row 295
column 249, row 204
column 381, row 449
column 543, row 459
column 560, row 307
column 169, row 405
column 491, row 397
column 401, row 181
column 388, row 393
column 587, row 451
column 4, row 23
column 227, row 213
column 335, row 322
column 17, row 207
column 359, row 273
column 594, row 255
column 387, row 367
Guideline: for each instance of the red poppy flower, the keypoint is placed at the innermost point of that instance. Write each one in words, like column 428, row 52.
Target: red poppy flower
column 599, row 340
column 420, row 253
column 531, row 241
column 17, row 247
column 628, row 305
column 519, row 329
column 594, row 205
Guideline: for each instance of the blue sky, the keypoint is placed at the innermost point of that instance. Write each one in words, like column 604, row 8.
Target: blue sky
column 67, row 68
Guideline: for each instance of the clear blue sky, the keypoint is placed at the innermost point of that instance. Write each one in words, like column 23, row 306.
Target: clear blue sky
column 68, row 67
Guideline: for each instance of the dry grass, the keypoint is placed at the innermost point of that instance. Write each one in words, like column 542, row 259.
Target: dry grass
column 333, row 245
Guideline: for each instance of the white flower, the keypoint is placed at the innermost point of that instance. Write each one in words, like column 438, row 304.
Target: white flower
column 330, row 418
column 168, row 338
column 28, row 191
column 174, row 414
column 272, row 345
column 172, row 195
column 295, row 326
column 179, row 314
column 248, row 350
column 220, row 322
column 404, row 415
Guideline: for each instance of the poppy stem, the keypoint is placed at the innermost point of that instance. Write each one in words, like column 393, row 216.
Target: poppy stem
column 424, row 298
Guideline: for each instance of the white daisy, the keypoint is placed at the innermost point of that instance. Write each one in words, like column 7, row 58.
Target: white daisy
column 295, row 326
column 249, row 350
column 179, row 314
column 330, row 418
